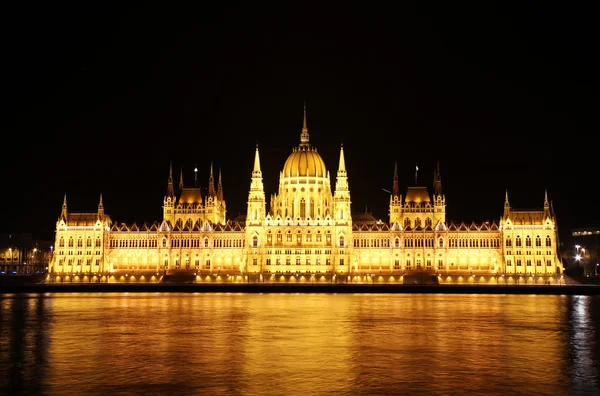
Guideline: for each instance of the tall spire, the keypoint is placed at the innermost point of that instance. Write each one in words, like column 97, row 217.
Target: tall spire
column 181, row 178
column 395, row 186
column 437, row 183
column 342, row 165
column 220, row 187
column 546, row 203
column 341, row 184
column 63, row 213
column 506, row 206
column 100, row 207
column 170, row 189
column 256, row 172
column 304, row 134
column 211, row 182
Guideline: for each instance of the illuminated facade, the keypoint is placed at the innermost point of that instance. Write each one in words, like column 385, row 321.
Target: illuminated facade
column 307, row 234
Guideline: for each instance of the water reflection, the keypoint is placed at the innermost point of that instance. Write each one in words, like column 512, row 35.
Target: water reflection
column 298, row 344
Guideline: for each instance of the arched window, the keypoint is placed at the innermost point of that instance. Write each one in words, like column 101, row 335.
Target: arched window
column 98, row 242
column 518, row 241
column 88, row 242
column 548, row 241
column 440, row 242
column 61, row 243
column 538, row 241
column 164, row 242
column 302, row 208
column 70, row 242
column 397, row 242
column 508, row 242
column 206, row 242
column 417, row 222
column 79, row 242
column 342, row 241
column 428, row 222
column 528, row 241
column 406, row 222
column 254, row 241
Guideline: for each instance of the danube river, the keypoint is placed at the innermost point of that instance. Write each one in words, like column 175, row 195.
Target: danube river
column 298, row 344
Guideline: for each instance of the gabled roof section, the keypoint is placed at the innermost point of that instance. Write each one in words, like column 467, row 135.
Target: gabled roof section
column 385, row 227
column 417, row 194
column 473, row 227
column 462, row 227
column 82, row 219
column 527, row 217
column 154, row 227
column 134, row 227
column 494, row 226
column 452, row 227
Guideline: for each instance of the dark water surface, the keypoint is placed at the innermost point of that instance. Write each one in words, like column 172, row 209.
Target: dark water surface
column 298, row 344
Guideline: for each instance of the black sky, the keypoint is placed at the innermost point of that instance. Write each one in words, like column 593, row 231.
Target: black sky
column 100, row 99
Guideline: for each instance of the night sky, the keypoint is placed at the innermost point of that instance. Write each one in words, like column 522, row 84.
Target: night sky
column 100, row 100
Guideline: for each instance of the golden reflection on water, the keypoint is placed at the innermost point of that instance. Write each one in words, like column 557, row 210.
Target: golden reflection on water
column 298, row 344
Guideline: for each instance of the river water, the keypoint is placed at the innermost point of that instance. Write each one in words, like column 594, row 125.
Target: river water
column 298, row 344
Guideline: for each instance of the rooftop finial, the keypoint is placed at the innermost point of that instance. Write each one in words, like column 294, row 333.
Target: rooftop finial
column 304, row 134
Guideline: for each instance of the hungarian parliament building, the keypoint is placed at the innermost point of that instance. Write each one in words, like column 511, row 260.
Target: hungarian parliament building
column 307, row 233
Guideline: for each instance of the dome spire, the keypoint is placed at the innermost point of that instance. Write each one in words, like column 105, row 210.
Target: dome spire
column 304, row 134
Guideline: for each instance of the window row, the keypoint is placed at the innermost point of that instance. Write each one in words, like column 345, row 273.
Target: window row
column 528, row 241
column 71, row 242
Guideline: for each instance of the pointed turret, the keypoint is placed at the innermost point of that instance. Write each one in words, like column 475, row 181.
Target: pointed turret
column 63, row 213
column 170, row 188
column 439, row 200
column 506, row 206
column 547, row 211
column 395, row 199
column 211, row 182
column 304, row 138
column 342, row 163
column 256, row 197
column 181, row 178
column 396, row 186
column 256, row 172
column 100, row 208
column 220, row 187
column 341, row 195
column 437, row 182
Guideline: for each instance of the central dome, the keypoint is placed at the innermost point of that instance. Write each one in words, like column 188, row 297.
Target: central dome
column 304, row 161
